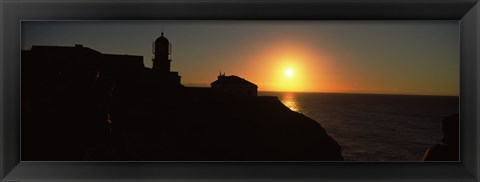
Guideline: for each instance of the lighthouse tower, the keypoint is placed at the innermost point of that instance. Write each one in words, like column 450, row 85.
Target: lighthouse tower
column 162, row 50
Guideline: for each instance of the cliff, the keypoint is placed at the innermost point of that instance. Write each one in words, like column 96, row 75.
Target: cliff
column 186, row 124
column 448, row 150
column 176, row 126
column 78, row 104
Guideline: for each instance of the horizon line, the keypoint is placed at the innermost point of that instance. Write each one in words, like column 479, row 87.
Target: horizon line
column 366, row 93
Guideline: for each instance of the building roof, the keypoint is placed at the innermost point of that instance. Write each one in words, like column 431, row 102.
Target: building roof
column 231, row 80
column 77, row 49
column 162, row 39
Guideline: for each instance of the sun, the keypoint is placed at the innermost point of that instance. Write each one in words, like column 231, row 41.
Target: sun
column 289, row 72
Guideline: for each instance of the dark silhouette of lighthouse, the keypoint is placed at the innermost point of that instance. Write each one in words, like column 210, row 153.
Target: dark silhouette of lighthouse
column 162, row 50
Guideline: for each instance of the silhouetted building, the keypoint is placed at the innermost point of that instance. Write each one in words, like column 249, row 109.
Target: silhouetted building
column 65, row 99
column 122, row 67
column 233, row 85
column 79, row 63
column 162, row 49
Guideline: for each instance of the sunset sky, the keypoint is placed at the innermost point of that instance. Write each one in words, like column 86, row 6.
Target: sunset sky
column 392, row 57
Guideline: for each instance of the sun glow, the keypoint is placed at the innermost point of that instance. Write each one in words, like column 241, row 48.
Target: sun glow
column 289, row 76
column 292, row 67
column 289, row 72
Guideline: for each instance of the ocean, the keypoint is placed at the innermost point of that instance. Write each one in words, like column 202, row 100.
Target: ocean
column 374, row 127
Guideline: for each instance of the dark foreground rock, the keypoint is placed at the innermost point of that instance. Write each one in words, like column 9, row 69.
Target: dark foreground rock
column 176, row 125
column 79, row 104
column 225, row 128
column 449, row 149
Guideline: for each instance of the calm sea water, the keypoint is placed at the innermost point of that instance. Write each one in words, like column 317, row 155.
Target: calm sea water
column 372, row 127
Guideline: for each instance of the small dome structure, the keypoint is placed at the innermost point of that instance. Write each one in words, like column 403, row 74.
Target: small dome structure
column 162, row 40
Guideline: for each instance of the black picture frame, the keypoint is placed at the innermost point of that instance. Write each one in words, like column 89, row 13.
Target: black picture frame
column 467, row 12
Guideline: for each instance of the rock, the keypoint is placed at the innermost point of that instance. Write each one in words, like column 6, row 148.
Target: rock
column 79, row 105
column 227, row 128
column 449, row 149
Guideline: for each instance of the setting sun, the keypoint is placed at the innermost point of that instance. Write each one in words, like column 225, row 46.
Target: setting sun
column 289, row 73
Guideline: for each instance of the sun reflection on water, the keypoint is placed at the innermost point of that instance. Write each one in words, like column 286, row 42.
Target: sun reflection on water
column 289, row 100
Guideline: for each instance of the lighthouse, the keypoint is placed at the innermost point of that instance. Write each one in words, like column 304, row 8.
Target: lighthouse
column 162, row 51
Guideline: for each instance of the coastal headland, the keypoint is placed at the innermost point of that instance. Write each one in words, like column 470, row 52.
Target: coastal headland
column 80, row 104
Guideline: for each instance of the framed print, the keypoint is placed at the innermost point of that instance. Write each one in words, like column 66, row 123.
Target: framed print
column 240, row 90
column 158, row 90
